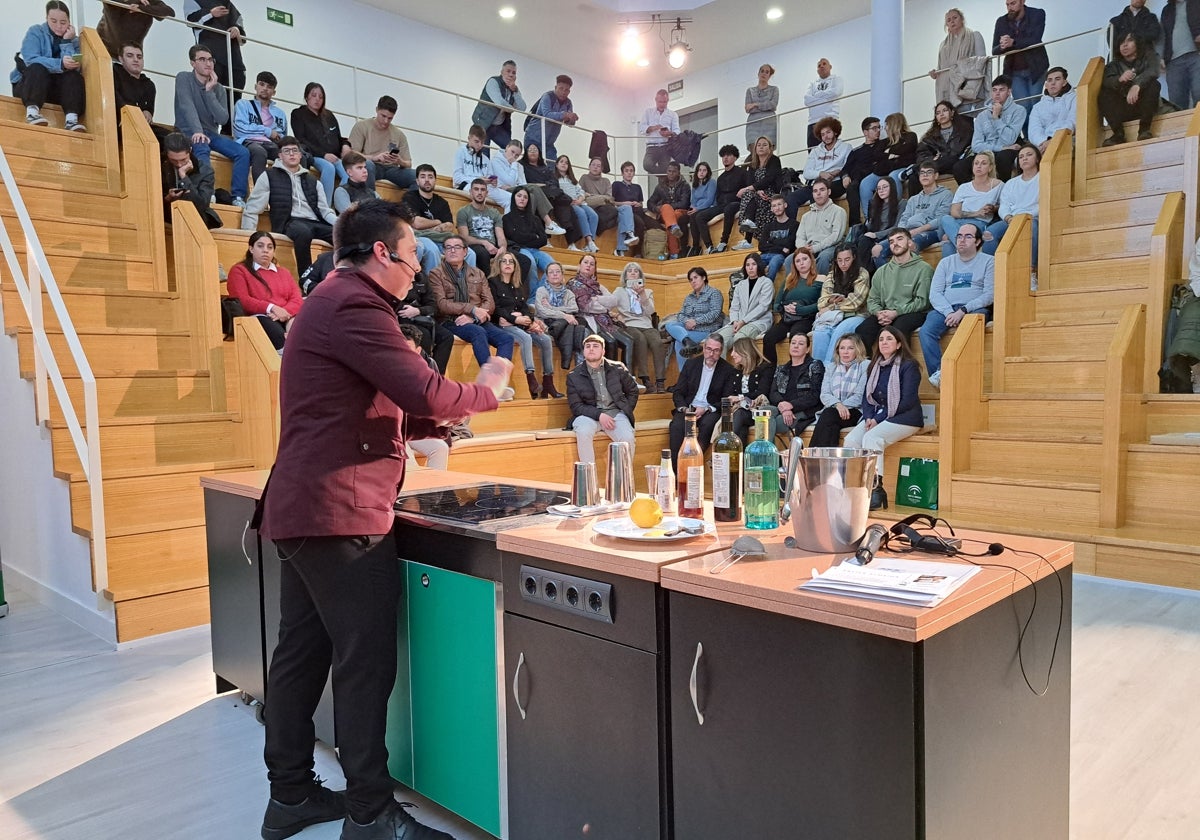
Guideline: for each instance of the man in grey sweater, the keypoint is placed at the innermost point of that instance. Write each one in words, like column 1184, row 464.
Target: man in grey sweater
column 963, row 284
column 201, row 107
column 997, row 130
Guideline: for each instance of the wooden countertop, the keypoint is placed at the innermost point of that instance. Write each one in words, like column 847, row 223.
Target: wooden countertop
column 770, row 584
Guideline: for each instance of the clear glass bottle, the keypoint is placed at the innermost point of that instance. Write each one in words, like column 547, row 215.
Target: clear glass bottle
column 665, row 485
column 727, row 468
column 762, row 476
column 690, row 465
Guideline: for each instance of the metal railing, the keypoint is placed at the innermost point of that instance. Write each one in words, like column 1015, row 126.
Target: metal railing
column 85, row 438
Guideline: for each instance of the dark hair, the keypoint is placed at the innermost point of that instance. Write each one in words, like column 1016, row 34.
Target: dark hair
column 289, row 140
column 1002, row 81
column 696, row 174
column 1062, row 70
column 563, row 79
column 57, row 6
column 904, row 352
column 421, row 167
column 412, row 333
column 828, row 122
column 353, row 158
column 759, row 262
column 867, row 121
column 842, row 282
column 267, row 77
column 477, row 131
column 193, row 51
column 570, row 173
column 177, row 141
column 828, row 184
column 934, row 131
column 1017, row 157
column 717, row 337
column 875, row 207
column 628, row 163
column 387, row 103
column 698, row 269
column 248, row 260
column 309, row 88
column 508, row 63
column 478, row 181
column 728, row 149
column 366, row 222
column 125, row 44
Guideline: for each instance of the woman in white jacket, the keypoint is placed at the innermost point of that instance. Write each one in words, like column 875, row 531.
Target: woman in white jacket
column 750, row 303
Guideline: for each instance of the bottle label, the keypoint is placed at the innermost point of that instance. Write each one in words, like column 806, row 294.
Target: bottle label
column 720, row 461
column 695, row 486
column 754, row 481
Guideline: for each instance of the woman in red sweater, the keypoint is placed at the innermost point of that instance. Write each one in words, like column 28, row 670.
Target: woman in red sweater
column 265, row 288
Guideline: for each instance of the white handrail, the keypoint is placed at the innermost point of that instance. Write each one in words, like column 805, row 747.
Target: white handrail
column 87, row 443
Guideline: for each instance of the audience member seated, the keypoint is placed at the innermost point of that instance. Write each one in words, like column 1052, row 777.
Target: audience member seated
column 130, row 23
column 843, row 302
column 778, row 238
column 976, row 201
column 226, row 18
column 658, row 125
column 602, row 396
column 600, row 198
column 526, row 235
column 555, row 305
column 321, row 268
column 766, row 180
column 997, row 130
column 435, row 449
column 635, row 303
column 701, row 313
column 704, row 381
column 629, row 195
column 184, row 178
column 883, row 214
column 320, row 136
column 1018, row 195
column 704, row 198
column 671, row 203
column 200, row 111
column 550, row 203
column 481, row 227
column 505, row 175
column 298, row 208
column 595, row 307
column 355, row 188
column 923, row 212
column 472, row 160
column 266, row 289
column 861, row 163
column 385, row 146
column 795, row 304
column 821, row 99
column 944, row 143
column 431, row 218
column 961, row 74
column 730, row 183
column 48, row 69
column 891, row 407
column 418, row 309
column 464, row 303
column 1130, row 90
column 964, row 284
column 841, row 392
column 899, row 295
column 823, row 226
column 755, row 374
column 133, row 87
column 1055, row 110
column 826, row 160
column 1135, row 19
column 750, row 302
column 497, row 101
column 553, row 105
column 585, row 217
column 795, row 393
column 899, row 154
column 514, row 316
column 259, row 124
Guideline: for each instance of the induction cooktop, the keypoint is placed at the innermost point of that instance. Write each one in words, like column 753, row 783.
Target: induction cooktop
column 478, row 503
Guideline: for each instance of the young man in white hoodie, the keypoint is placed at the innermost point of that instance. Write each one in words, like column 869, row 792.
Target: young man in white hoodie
column 1055, row 110
column 823, row 226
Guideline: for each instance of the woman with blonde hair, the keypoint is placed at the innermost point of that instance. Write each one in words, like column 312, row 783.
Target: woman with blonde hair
column 766, row 179
column 975, row 202
column 900, row 152
column 635, row 302
column 961, row 76
column 841, row 391
column 754, row 383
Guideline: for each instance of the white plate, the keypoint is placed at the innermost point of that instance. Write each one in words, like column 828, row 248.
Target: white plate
column 624, row 529
column 574, row 511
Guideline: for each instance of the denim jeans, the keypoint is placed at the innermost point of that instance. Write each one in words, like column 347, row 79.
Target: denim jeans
column 587, row 219
column 327, row 170
column 931, row 333
column 236, row 152
column 1183, row 78
column 679, row 332
column 525, row 340
column 480, row 336
column 998, row 229
column 824, row 341
column 1026, row 91
column 774, row 261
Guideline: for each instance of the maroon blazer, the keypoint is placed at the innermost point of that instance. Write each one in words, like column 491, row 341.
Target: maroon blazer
column 350, row 392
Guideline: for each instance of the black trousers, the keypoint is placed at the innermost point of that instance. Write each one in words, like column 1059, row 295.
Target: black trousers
column 869, row 329
column 39, row 86
column 699, row 224
column 483, row 260
column 779, row 330
column 743, row 422
column 828, row 430
column 216, row 43
column 569, row 338
column 274, row 330
column 338, row 601
column 730, row 210
column 704, row 431
column 436, row 340
column 302, row 232
column 1114, row 109
column 261, row 152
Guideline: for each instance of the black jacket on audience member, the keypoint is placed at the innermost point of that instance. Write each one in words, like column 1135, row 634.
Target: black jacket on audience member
column 581, row 392
column 524, row 230
column 942, row 153
column 509, row 301
column 728, row 184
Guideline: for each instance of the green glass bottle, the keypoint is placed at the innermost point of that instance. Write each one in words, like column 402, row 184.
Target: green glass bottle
column 727, row 468
column 762, row 476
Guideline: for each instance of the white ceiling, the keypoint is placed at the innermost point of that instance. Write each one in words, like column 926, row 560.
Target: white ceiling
column 566, row 30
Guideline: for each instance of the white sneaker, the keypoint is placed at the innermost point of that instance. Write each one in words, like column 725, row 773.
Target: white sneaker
column 591, row 247
column 935, row 379
column 744, row 245
column 555, row 230
column 74, row 125
column 506, row 395
column 573, row 247
column 747, row 225
column 36, row 118
column 633, row 240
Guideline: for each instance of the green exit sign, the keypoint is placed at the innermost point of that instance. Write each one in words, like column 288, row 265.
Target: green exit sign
column 276, row 16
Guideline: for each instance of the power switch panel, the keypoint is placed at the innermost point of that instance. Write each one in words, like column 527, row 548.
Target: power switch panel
column 583, row 597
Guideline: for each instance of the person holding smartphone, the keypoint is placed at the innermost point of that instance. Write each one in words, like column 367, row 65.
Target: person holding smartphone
column 48, row 69
column 185, row 178
column 385, row 147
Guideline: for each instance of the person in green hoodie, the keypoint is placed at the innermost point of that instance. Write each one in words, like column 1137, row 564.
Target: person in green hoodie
column 899, row 294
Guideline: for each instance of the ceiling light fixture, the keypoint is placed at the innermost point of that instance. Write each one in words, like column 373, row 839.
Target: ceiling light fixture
column 677, row 47
column 774, row 13
column 507, row 12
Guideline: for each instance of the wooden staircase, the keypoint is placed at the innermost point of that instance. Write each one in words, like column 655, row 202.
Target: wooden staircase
column 150, row 330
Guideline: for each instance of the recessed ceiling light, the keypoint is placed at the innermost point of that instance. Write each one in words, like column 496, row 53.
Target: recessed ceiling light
column 774, row 13
column 507, row 12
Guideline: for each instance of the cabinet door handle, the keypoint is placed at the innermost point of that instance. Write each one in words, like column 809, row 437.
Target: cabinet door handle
column 692, row 683
column 516, row 691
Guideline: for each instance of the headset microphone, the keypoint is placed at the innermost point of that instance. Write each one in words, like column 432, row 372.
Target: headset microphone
column 995, row 549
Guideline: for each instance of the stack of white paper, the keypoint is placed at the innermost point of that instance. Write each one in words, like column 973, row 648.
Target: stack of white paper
column 918, row 583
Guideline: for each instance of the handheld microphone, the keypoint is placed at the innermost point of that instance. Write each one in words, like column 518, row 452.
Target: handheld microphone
column 869, row 545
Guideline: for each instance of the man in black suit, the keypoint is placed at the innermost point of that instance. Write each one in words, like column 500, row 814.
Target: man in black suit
column 702, row 383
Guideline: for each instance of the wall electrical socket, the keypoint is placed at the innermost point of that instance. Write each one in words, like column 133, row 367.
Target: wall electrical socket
column 587, row 598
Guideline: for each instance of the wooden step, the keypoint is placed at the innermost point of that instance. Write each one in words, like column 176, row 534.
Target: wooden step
column 985, row 496
column 152, row 615
column 1101, row 301
column 1046, row 457
column 1129, row 157
column 1091, row 274
column 1060, row 338
column 1161, row 179
column 1171, row 413
column 64, row 172
column 44, row 198
column 1174, row 124
column 96, row 308
column 1060, row 373
column 1105, row 243
column 1103, row 212
column 143, row 393
column 525, row 414
column 158, row 561
column 1158, row 479
column 112, row 272
column 132, row 349
column 131, row 442
column 49, row 143
column 1045, row 413
column 78, row 235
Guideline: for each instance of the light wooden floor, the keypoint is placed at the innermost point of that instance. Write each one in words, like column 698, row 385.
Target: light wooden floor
column 97, row 743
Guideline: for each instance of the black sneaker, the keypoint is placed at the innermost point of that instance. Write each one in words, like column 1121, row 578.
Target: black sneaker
column 322, row 805
column 393, row 823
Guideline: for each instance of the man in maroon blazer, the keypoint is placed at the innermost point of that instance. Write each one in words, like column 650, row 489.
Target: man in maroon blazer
column 350, row 390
